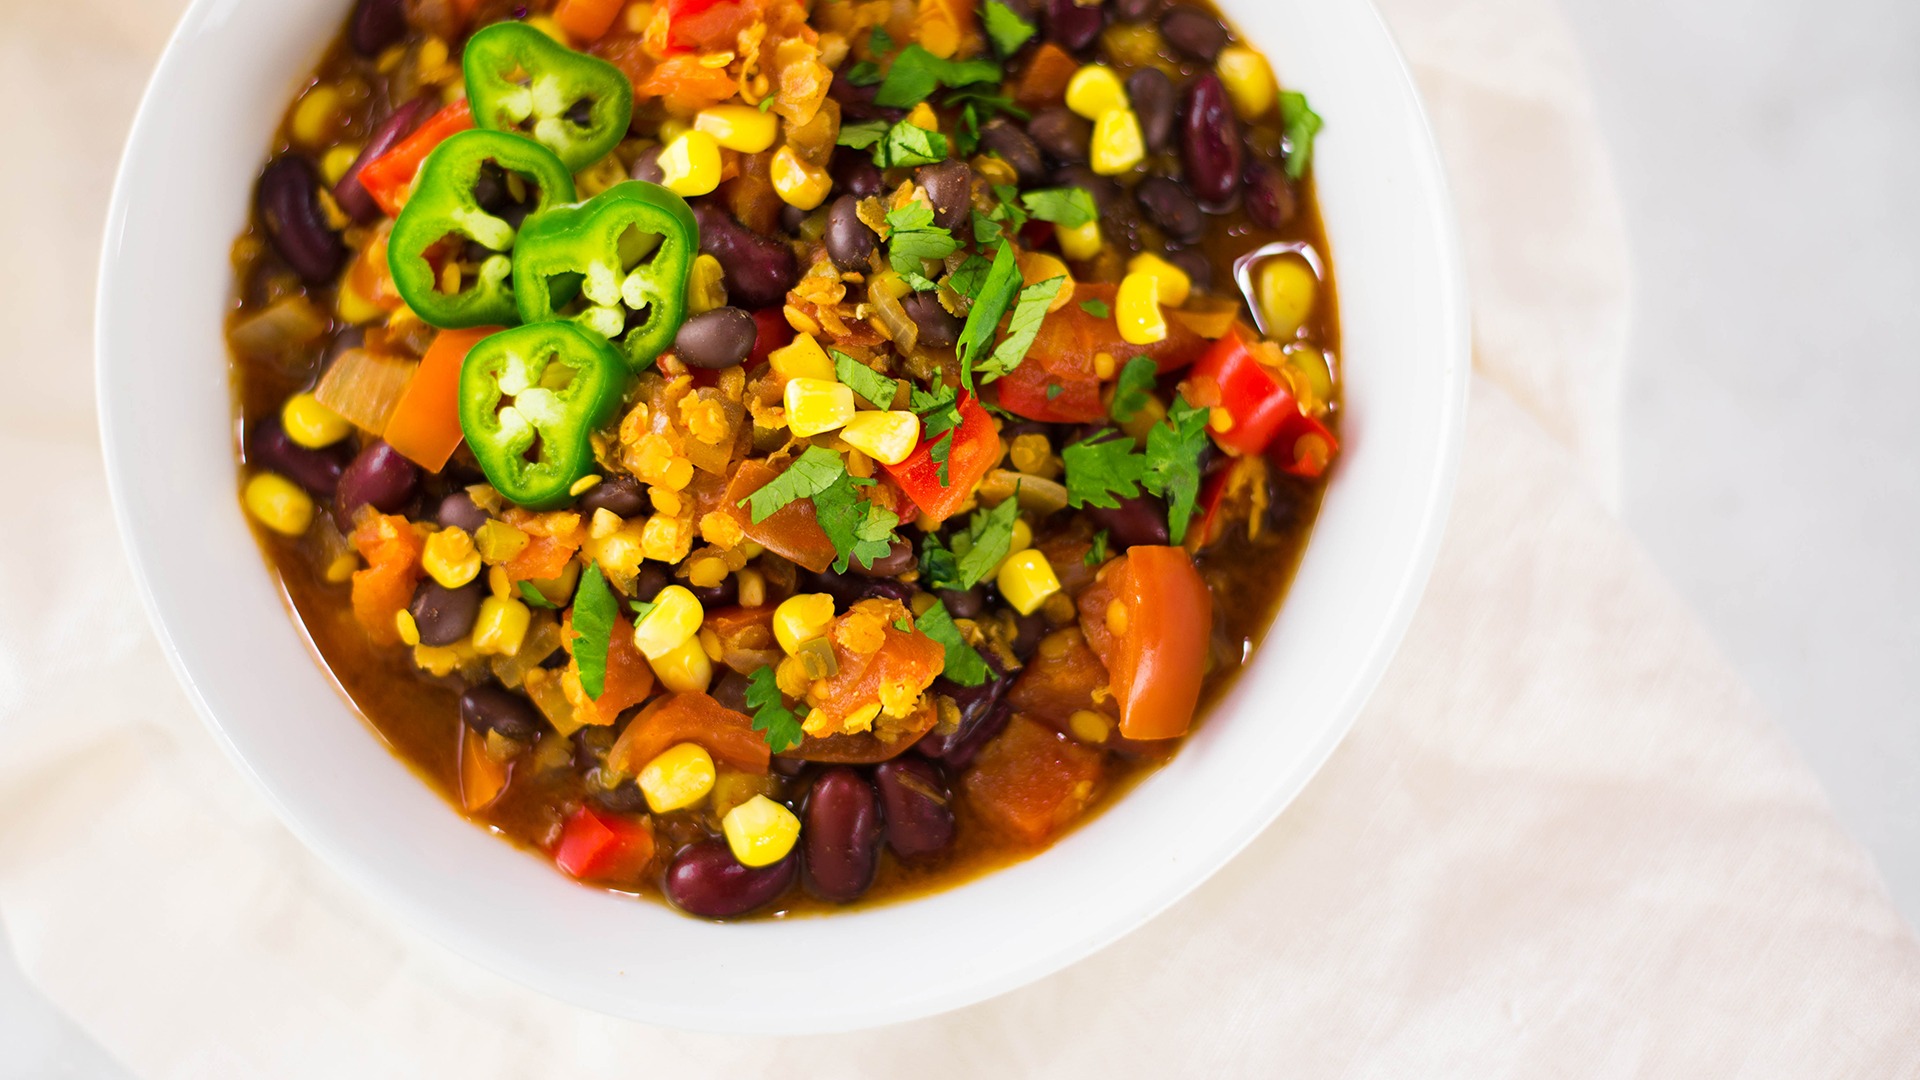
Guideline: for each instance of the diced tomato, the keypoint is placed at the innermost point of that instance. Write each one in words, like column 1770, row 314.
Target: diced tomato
column 1029, row 782
column 1031, row 391
column 603, row 847
column 1061, row 680
column 773, row 333
column 791, row 532
column 1155, row 642
column 701, row 25
column 1266, row 416
column 543, row 559
column 1044, row 80
column 746, row 637
column 629, row 677
column 382, row 590
column 482, row 779
column 689, row 717
column 975, row 448
column 877, row 661
column 1071, row 337
column 388, row 176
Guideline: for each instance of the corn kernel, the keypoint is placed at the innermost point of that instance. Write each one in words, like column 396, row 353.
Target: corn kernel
column 1081, row 242
column 887, row 437
column 1286, row 289
column 706, row 572
column 1220, row 420
column 1038, row 266
column 675, row 618
column 1026, row 579
column 1089, row 726
column 450, row 558
column 679, row 777
column 685, row 670
column 803, row 358
column 817, row 405
column 337, row 160
column 738, row 127
column 800, row 618
column 706, row 287
column 1248, row 79
column 279, row 504
column 315, row 118
column 690, row 164
column 760, row 831
column 558, row 591
column 799, row 182
column 352, row 307
column 1103, row 365
column 341, row 569
column 1137, row 309
column 501, row 627
column 753, row 588
column 1117, row 143
column 312, row 424
column 406, row 627
column 1174, row 286
column 1095, row 90
column 546, row 25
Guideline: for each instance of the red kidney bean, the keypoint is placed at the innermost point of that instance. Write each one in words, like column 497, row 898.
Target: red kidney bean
column 1210, row 143
column 1193, row 31
column 950, row 189
column 841, row 835
column 1136, row 521
column 917, row 806
column 1135, row 10
column 1062, row 134
column 759, row 271
column 1015, row 147
column 850, row 242
column 1073, row 27
column 379, row 477
column 1270, row 200
column 898, row 560
column 716, row 339
column 1169, row 206
column 350, row 193
column 492, row 707
column 445, row 615
column 706, row 880
column 1152, row 95
column 269, row 447
column 288, row 199
column 939, row 328
column 854, row 172
column 647, row 166
column 622, row 496
column 377, row 24
column 459, row 511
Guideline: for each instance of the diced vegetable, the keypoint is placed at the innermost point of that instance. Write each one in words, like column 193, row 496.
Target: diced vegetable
column 882, row 670
column 629, row 678
column 968, row 451
column 1264, row 413
column 603, row 848
column 681, row 776
column 678, row 718
column 365, row 387
column 388, row 176
column 587, row 20
column 760, row 831
column 482, row 778
column 425, row 424
column 1150, row 618
column 1030, row 783
column 791, row 532
column 391, row 547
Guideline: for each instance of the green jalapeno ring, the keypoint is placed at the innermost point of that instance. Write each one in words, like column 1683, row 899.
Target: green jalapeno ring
column 599, row 263
column 539, row 390
column 523, row 81
column 445, row 207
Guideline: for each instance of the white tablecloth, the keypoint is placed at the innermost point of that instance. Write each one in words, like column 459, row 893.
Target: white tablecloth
column 1562, row 840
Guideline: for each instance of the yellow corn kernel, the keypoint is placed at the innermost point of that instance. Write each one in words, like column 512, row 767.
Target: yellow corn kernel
column 501, row 627
column 923, row 117
column 341, row 568
column 887, row 437
column 1081, row 242
column 800, row 618
column 690, row 164
column 1021, row 540
column 686, row 669
column 1030, row 452
column 936, row 29
column 406, row 627
column 498, row 541
column 312, row 424
column 558, row 591
column 1137, row 309
column 890, row 283
column 799, row 182
column 803, row 358
column 352, row 307
column 679, row 777
column 279, row 504
column 738, row 127
column 450, row 558
column 674, row 620
column 316, row 117
column 706, row 571
column 1038, row 266
column 706, row 287
column 1026, row 579
column 760, row 831
column 1095, row 90
column 1089, row 726
column 546, row 25
column 1248, row 79
column 817, row 405
column 666, row 539
column 1117, row 143
column 1174, row 286
column 337, row 160
column 1103, row 365
column 1286, row 289
column 753, row 587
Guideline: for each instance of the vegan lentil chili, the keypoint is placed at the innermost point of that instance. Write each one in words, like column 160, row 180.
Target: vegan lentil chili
column 771, row 457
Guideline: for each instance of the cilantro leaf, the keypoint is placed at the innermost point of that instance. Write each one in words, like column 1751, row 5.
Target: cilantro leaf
column 1067, row 207
column 771, row 717
column 809, row 475
column 868, row 383
column 865, row 73
column 1300, row 124
column 1023, row 327
column 1006, row 30
column 939, row 416
column 1173, row 463
column 904, row 624
column 917, row 73
column 641, row 609
column 766, row 104
column 1102, row 467
column 861, row 133
column 532, row 596
column 1096, row 307
column 1097, row 554
column 1130, row 393
column 879, row 42
column 595, row 613
column 939, row 569
column 989, row 537
column 967, row 280
column 910, row 144
column 997, row 293
column 914, row 237
column 858, row 528
column 964, row 665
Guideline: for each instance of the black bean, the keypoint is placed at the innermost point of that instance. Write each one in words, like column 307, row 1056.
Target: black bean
column 1152, row 95
column 716, row 339
column 1021, row 9
column 623, row 798
column 459, row 511
column 792, row 217
column 650, row 580
column 1027, row 632
column 1269, row 197
column 958, row 748
column 978, row 706
column 445, row 615
column 1062, row 134
column 964, row 603
column 1135, row 10
column 850, row 242
column 379, row 477
column 725, row 594
column 854, row 172
column 949, row 188
column 647, row 166
column 269, row 447
column 916, row 805
column 350, row 193
column 490, row 188
column 759, row 270
column 1210, row 143
column 731, row 690
column 939, row 328
column 1199, row 270
column 1169, row 206
column 898, row 560
column 1071, row 26
column 1003, row 137
column 288, row 199
column 856, row 102
column 1139, row 520
column 376, row 25
column 1193, row 31
column 492, row 707
column 848, row 589
column 622, row 496
column 706, row 880
column 841, row 835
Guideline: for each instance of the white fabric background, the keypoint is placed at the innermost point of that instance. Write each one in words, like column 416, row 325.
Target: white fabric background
column 1561, row 841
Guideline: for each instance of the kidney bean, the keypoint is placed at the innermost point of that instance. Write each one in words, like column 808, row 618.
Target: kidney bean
column 1270, row 199
column 350, row 193
column 716, row 339
column 1073, row 27
column 1210, row 143
column 950, row 188
column 379, row 477
column 850, row 242
column 964, row 603
column 622, row 496
column 647, row 166
column 706, row 880
column 316, row 470
column 1199, row 270
column 459, row 511
column 939, row 328
column 1193, row 31
column 841, row 835
column 854, row 173
column 1063, row 134
column 1135, row 10
column 376, row 25
column 759, row 270
column 898, row 560
column 977, row 705
column 1136, row 521
column 288, row 199
column 492, row 707
column 1004, row 137
column 958, row 748
column 1152, row 95
column 445, row 615
column 916, row 806
column 1169, row 206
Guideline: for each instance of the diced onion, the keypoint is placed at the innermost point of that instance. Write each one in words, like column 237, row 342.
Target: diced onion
column 285, row 324
column 893, row 321
column 364, row 387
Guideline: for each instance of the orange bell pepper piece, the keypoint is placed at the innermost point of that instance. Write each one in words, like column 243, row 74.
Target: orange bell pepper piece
column 425, row 425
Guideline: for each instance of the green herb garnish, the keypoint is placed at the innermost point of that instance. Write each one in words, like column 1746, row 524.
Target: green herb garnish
column 861, row 134
column 917, row 73
column 1299, row 124
column 1102, row 467
column 1097, row 554
column 532, row 596
column 1096, row 307
column 809, row 475
column 997, row 294
column 1173, row 463
column 909, row 144
column 1133, row 389
column 964, row 665
column 913, row 238
column 1022, row 328
column 868, row 383
column 858, row 528
column 1006, row 30
column 939, row 412
column 771, row 717
column 594, row 613
column 1067, row 207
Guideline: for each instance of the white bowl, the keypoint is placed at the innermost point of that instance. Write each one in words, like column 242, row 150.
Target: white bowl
column 165, row 413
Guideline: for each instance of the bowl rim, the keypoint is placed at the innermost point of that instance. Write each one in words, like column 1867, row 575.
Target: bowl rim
column 1435, row 495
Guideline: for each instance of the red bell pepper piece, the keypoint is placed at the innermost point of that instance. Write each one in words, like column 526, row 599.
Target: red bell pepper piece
column 387, row 176
column 1252, row 393
column 1030, row 391
column 975, row 449
column 601, row 847
column 1303, row 448
column 772, row 332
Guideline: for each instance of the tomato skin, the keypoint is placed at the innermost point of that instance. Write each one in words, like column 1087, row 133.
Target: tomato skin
column 1030, row 782
column 773, row 332
column 1071, row 337
column 975, row 449
column 601, row 847
column 1158, row 655
column 1024, row 392
column 690, row 717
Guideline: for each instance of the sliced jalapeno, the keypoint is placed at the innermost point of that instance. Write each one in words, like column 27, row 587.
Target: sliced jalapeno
column 530, row 400
column 523, row 81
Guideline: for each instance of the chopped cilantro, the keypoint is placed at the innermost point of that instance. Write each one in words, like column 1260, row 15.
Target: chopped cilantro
column 939, row 415
column 532, row 596
column 868, row 383
column 861, row 133
column 967, row 280
column 1097, row 554
column 1300, row 124
column 1173, row 463
column 865, row 73
column 1005, row 217
column 1055, row 391
column 964, row 665
column 1130, row 393
column 1102, row 467
column 913, row 237
column 910, row 144
column 859, row 529
column 771, row 717
column 594, row 615
column 766, row 103
column 917, row 73
column 1006, row 30
column 997, row 293
column 989, row 537
column 879, row 42
column 939, row 569
column 809, row 475
column 1096, row 307
column 1023, row 327
column 1067, row 207
column 641, row 609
